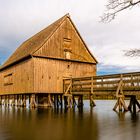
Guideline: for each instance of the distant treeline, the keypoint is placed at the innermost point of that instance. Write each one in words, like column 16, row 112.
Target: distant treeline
column 107, row 97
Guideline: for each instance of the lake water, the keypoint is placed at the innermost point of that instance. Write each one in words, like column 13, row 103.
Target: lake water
column 99, row 123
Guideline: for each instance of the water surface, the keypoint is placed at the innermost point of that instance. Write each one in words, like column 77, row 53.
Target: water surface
column 99, row 123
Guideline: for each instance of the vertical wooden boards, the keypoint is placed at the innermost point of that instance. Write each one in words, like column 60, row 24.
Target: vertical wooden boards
column 65, row 55
column 49, row 73
column 66, row 38
column 22, row 78
column 41, row 75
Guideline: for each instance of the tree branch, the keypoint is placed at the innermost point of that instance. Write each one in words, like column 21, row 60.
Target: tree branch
column 116, row 6
column 132, row 52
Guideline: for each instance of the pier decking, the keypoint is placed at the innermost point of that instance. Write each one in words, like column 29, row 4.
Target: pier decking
column 35, row 74
column 118, row 85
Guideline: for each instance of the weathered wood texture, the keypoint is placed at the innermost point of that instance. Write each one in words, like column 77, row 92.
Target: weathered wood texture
column 106, row 84
column 41, row 75
column 66, row 39
column 34, row 43
column 57, row 40
column 40, row 63
column 49, row 73
column 17, row 79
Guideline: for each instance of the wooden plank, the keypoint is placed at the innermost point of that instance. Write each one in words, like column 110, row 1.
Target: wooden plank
column 107, row 83
column 22, row 78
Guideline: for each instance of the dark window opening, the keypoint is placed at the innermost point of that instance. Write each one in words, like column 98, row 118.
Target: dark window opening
column 8, row 79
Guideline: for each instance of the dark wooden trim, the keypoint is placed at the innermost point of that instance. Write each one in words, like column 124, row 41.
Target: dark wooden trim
column 10, row 74
column 7, row 84
column 14, row 63
column 69, row 60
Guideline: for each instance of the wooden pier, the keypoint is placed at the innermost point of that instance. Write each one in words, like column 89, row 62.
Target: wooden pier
column 34, row 74
column 118, row 85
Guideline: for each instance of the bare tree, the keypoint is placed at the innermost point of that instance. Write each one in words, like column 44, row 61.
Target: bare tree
column 116, row 6
column 113, row 8
column 132, row 52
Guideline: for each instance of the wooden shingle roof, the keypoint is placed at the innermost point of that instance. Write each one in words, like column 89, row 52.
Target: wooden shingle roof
column 34, row 43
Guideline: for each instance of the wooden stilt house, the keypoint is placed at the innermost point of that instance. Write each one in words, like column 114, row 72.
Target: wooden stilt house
column 40, row 63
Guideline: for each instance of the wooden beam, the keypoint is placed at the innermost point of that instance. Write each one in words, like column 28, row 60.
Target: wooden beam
column 33, row 103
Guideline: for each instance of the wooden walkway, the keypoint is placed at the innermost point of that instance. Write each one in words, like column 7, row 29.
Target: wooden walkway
column 118, row 85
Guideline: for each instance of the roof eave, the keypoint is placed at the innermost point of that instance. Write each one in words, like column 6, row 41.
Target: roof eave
column 47, row 57
column 15, row 62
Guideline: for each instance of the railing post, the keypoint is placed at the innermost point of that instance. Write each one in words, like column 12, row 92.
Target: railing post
column 92, row 85
column 71, row 82
column 92, row 104
column 63, row 86
column 0, row 100
column 102, row 79
column 120, row 96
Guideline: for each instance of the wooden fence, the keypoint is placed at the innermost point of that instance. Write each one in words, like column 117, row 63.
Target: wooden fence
column 128, row 83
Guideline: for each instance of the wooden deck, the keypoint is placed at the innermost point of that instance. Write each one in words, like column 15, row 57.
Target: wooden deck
column 117, row 85
column 128, row 83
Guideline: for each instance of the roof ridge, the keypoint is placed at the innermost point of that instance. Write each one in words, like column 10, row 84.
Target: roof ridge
column 53, row 31
column 82, row 38
column 34, row 43
column 31, row 45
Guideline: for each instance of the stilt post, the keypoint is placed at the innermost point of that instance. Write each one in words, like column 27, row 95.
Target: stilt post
column 120, row 97
column 92, row 103
column 0, row 100
column 33, row 101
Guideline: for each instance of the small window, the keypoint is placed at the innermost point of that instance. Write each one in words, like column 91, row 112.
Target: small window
column 66, row 43
column 67, row 47
column 67, row 54
column 67, row 40
column 8, row 79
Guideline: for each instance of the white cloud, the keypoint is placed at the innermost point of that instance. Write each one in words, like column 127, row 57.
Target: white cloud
column 114, row 56
column 22, row 19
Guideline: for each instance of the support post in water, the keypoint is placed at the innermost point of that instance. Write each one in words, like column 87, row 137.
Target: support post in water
column 33, row 101
column 121, row 103
column 13, row 100
column 50, row 104
column 80, row 101
column 55, row 101
column 92, row 103
column 0, row 100
column 73, row 101
column 61, row 101
column 65, row 102
column 58, row 102
column 120, row 97
column 18, row 100
column 70, row 101
column 132, row 104
column 6, row 100
column 24, row 100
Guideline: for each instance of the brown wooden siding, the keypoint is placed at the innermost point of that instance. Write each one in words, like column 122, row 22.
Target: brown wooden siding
column 56, row 52
column 17, row 79
column 49, row 73
column 41, row 75
column 65, row 39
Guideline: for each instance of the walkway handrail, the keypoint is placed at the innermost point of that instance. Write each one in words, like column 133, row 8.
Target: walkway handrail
column 105, row 83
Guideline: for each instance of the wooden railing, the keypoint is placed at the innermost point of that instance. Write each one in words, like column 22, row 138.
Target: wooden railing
column 104, row 84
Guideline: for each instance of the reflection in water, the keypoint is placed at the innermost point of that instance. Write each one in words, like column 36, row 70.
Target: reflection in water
column 42, row 124
column 99, row 123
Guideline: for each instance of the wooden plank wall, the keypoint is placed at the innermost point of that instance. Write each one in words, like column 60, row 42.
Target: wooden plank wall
column 65, row 38
column 21, row 80
column 49, row 73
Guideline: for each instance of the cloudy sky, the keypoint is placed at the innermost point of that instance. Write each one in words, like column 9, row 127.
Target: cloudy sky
column 20, row 19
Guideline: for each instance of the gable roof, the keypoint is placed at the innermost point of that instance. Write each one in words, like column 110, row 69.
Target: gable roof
column 35, row 42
